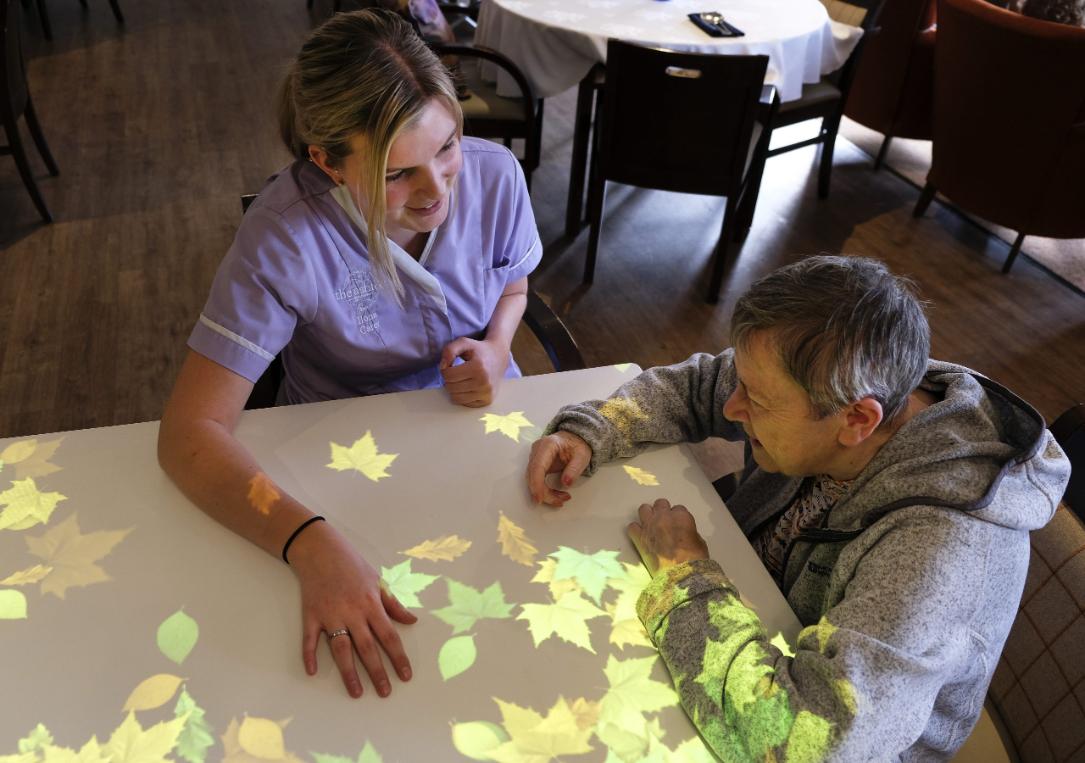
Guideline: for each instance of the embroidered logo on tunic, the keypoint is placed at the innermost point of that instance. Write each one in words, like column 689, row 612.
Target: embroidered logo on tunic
column 361, row 293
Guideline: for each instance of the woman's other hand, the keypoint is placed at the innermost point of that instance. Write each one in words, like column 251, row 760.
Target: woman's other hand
column 474, row 382
column 341, row 591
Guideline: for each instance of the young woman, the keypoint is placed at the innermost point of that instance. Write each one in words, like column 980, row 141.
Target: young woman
column 392, row 255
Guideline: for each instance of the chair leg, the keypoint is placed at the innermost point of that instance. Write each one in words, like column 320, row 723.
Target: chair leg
column 46, row 27
column 39, row 138
column 83, row 3
column 15, row 143
column 721, row 263
column 116, row 11
column 829, row 131
column 1013, row 252
column 925, row 198
column 574, row 205
column 309, row 4
column 597, row 193
column 882, row 152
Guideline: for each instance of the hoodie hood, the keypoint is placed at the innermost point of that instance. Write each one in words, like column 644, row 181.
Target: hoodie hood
column 979, row 449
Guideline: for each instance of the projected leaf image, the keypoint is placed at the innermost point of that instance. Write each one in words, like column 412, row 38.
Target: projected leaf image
column 73, row 555
column 363, row 456
column 457, row 655
column 131, row 743
column 443, row 549
column 566, row 618
column 254, row 740
column 624, row 414
column 195, row 738
column 29, row 576
column 26, row 506
column 478, row 739
column 514, row 543
column 508, row 425
column 177, row 635
column 640, row 476
column 12, row 605
column 537, row 739
column 590, row 571
column 633, row 692
column 368, row 755
column 404, row 584
column 468, row 605
column 623, row 367
column 558, row 588
column 262, row 492
column 30, row 458
column 626, row 627
column 153, row 692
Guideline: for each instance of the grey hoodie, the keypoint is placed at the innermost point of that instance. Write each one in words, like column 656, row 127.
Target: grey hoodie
column 908, row 589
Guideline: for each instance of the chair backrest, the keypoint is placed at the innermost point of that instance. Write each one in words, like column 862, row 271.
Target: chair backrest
column 860, row 13
column 1009, row 118
column 1069, row 431
column 13, row 91
column 880, row 96
column 678, row 121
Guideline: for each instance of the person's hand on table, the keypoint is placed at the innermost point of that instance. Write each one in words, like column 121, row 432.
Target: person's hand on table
column 558, row 452
column 340, row 591
column 666, row 535
column 474, row 382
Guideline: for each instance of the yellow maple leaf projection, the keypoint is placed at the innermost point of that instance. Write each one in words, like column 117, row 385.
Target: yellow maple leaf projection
column 131, row 743
column 585, row 712
column 640, row 476
column 73, row 555
column 443, row 549
column 509, row 425
column 535, row 739
column 91, row 752
column 30, row 458
column 26, row 506
column 28, row 576
column 362, row 456
column 514, row 543
column 567, row 618
column 558, row 588
column 256, row 740
column 624, row 414
column 262, row 493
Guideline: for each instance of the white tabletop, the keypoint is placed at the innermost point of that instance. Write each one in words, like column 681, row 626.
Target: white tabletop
column 99, row 553
column 556, row 42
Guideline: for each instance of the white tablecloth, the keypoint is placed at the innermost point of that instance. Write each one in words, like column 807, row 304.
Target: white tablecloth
column 556, row 42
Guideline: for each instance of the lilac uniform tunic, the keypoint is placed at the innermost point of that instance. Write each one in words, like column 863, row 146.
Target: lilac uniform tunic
column 297, row 280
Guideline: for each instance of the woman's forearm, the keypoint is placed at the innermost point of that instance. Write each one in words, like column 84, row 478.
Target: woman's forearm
column 508, row 312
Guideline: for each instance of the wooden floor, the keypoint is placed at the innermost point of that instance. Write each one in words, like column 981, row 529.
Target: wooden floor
column 159, row 127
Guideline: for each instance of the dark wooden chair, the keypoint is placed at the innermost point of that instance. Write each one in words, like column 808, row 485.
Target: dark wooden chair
column 685, row 122
column 47, row 27
column 15, row 102
column 1069, row 431
column 489, row 115
column 825, row 99
column 551, row 333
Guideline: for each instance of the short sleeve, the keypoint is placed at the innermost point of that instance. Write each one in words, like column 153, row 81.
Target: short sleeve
column 517, row 244
column 262, row 291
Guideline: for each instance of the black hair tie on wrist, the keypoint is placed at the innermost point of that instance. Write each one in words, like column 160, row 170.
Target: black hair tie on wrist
column 296, row 533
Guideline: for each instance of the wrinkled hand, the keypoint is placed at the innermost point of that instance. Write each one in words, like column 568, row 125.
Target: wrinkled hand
column 666, row 535
column 474, row 382
column 558, row 452
column 339, row 589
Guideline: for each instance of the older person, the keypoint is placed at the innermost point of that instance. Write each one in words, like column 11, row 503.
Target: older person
column 392, row 254
column 889, row 495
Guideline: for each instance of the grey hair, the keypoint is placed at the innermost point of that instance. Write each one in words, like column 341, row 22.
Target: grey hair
column 845, row 328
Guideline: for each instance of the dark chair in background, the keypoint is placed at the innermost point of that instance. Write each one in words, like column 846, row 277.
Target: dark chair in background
column 489, row 115
column 1009, row 121
column 1036, row 688
column 47, row 28
column 825, row 99
column 551, row 333
column 892, row 87
column 685, row 122
column 15, row 102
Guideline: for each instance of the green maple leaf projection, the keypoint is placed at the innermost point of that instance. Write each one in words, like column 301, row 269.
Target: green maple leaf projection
column 567, row 618
column 404, row 584
column 590, row 571
column 195, row 737
column 26, row 506
column 367, row 755
column 633, row 692
column 535, row 739
column 468, row 605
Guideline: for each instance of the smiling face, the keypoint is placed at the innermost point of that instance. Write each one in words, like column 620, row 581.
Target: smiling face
column 777, row 416
column 422, row 166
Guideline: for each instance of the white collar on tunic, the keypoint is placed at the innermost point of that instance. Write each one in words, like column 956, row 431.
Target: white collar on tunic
column 405, row 263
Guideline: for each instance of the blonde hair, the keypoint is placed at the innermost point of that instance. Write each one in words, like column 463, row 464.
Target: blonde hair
column 366, row 72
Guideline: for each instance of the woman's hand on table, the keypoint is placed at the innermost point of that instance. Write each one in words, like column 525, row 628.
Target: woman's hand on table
column 341, row 590
column 562, row 452
column 474, row 382
column 666, row 535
